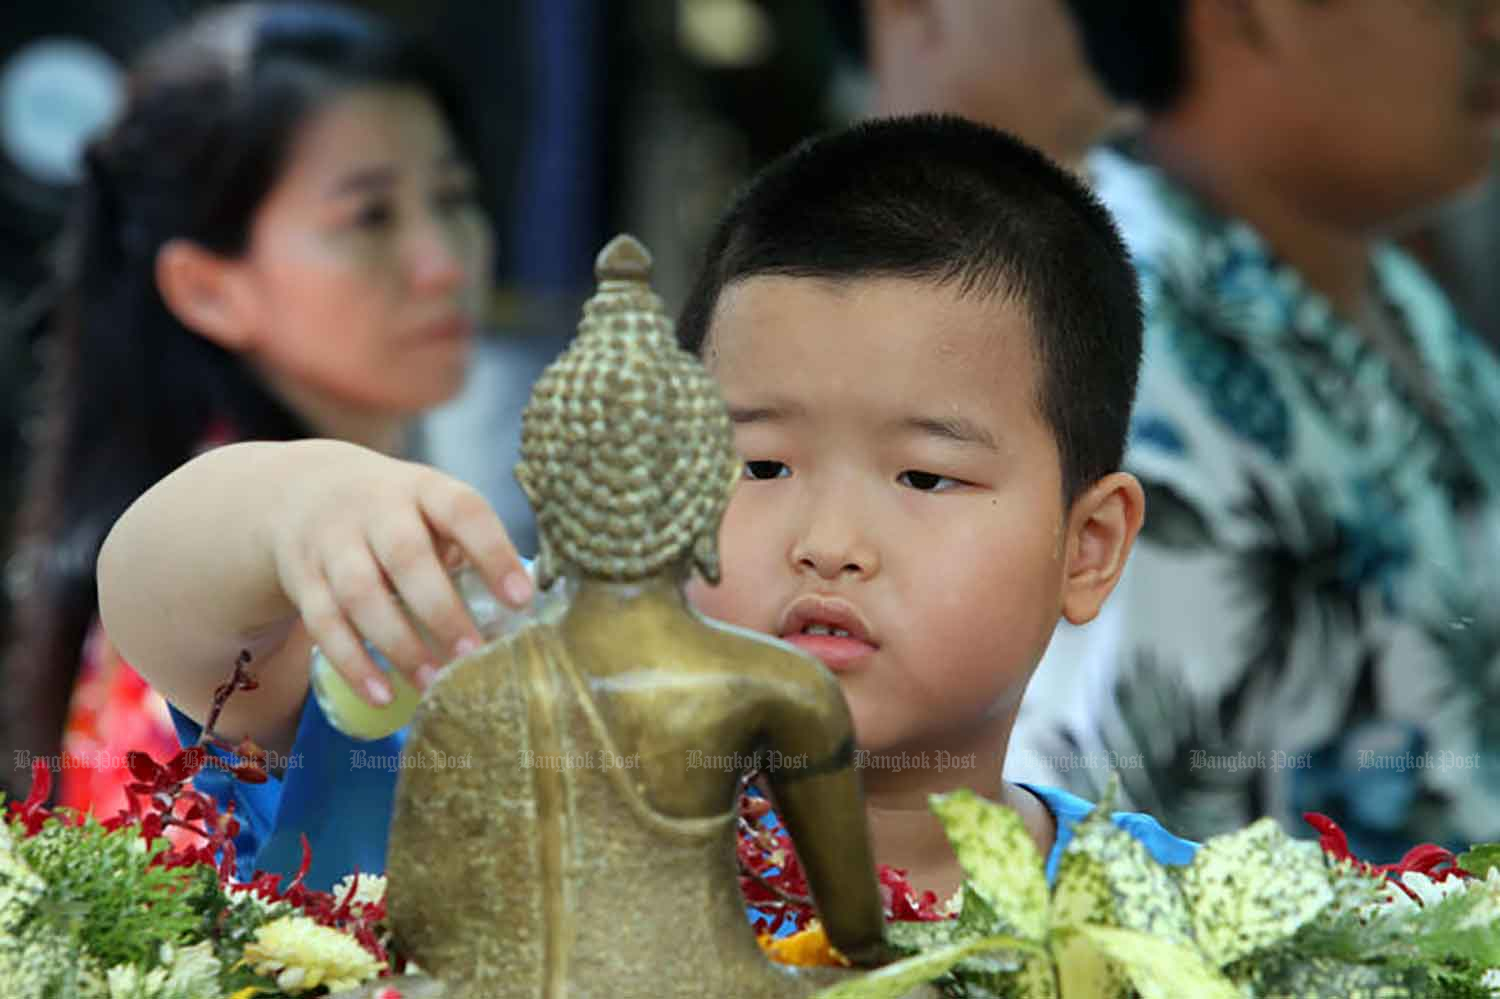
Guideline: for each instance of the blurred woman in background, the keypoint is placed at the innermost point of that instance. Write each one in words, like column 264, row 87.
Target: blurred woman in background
column 281, row 236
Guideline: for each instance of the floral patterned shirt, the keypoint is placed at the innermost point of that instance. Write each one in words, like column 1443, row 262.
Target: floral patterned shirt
column 1309, row 621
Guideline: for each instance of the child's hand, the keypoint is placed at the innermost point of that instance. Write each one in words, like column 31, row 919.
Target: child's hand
column 363, row 529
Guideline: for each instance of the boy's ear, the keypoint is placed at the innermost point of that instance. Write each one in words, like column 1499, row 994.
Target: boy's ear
column 1102, row 527
column 204, row 290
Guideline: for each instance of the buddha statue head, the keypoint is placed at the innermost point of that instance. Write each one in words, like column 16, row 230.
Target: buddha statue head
column 627, row 453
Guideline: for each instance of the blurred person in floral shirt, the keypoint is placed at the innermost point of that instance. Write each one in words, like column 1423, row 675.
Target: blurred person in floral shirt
column 1311, row 620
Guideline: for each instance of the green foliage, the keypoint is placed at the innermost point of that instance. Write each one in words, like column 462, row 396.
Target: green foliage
column 1252, row 888
column 1256, row 914
column 1480, row 860
column 99, row 889
column 82, row 914
column 1000, row 862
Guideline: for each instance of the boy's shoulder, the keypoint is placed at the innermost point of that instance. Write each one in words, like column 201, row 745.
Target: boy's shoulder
column 1069, row 810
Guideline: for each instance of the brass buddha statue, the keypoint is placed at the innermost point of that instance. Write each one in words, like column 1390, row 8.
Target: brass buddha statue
column 588, row 849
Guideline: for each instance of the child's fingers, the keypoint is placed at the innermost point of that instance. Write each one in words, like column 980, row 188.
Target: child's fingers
column 460, row 513
column 364, row 596
column 337, row 640
column 405, row 550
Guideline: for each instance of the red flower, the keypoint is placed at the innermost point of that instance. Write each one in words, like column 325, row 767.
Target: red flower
column 774, row 885
column 1428, row 859
column 33, row 812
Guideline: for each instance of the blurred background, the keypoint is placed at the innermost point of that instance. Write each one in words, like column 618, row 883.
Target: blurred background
column 594, row 117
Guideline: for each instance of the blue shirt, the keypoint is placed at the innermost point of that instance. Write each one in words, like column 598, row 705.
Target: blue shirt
column 340, row 793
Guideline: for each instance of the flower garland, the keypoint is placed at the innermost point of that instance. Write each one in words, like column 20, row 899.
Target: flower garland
column 145, row 905
column 776, row 892
column 1255, row 914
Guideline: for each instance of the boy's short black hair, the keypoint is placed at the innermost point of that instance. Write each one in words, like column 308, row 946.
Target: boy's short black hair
column 941, row 199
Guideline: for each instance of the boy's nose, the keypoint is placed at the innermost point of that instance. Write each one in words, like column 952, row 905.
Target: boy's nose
column 832, row 553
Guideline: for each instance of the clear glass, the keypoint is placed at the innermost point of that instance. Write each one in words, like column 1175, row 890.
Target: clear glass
column 357, row 718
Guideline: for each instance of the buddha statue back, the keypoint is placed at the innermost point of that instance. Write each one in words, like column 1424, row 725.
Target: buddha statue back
column 586, row 848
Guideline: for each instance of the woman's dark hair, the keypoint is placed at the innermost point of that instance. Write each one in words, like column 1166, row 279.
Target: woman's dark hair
column 130, row 393
column 1137, row 48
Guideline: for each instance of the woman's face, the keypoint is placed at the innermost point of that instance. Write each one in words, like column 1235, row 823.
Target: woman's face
column 368, row 262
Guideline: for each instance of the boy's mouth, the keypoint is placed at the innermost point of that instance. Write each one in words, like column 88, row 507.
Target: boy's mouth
column 830, row 629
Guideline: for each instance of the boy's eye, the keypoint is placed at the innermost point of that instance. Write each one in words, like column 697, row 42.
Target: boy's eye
column 766, row 470
column 927, row 482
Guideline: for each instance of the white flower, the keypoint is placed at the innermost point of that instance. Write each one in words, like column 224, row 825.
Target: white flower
column 20, row 886
column 1430, row 891
column 371, row 889
column 301, row 955
column 127, row 981
column 28, row 963
column 184, row 973
column 192, row 971
column 255, row 901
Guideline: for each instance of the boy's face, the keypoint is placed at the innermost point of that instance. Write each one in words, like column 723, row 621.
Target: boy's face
column 900, row 484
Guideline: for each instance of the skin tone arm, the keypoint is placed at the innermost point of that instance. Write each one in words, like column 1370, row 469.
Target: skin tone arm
column 273, row 547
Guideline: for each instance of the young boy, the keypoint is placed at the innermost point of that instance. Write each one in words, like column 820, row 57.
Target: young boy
column 928, row 336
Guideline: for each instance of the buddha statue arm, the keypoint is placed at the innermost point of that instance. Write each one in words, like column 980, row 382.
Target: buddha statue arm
column 819, row 797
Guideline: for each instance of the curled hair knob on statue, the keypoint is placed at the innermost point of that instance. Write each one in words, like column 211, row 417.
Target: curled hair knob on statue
column 616, row 495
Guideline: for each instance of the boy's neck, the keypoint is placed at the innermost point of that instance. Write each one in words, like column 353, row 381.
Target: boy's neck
column 904, row 832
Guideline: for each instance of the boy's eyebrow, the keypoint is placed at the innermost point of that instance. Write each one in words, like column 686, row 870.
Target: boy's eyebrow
column 951, row 428
column 765, row 414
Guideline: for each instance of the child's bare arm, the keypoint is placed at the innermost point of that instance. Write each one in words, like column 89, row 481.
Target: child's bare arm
column 275, row 546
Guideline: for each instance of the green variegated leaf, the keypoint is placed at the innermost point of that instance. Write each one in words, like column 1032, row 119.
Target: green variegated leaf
column 1252, row 889
column 1479, row 859
column 1288, row 975
column 1159, row 969
column 976, row 917
column 1084, row 971
column 996, row 975
column 910, row 938
column 895, row 980
column 1038, row 979
column 1082, row 896
column 1082, row 893
column 1108, row 877
column 999, row 858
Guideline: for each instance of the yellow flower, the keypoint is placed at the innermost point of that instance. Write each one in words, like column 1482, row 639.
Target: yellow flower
column 806, row 948
column 301, row 955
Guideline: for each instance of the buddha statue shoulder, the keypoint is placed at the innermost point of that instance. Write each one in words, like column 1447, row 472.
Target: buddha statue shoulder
column 587, row 847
